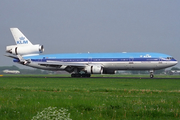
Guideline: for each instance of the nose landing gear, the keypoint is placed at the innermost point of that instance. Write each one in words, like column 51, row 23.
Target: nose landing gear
column 151, row 73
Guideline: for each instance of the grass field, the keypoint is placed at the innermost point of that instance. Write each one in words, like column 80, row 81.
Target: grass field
column 90, row 98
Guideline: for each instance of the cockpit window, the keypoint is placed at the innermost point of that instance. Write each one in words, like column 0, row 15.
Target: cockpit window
column 169, row 58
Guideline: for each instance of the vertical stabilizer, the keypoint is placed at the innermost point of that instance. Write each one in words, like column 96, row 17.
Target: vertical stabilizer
column 19, row 38
column 24, row 46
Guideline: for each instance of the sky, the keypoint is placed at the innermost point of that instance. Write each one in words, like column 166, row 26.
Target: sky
column 95, row 26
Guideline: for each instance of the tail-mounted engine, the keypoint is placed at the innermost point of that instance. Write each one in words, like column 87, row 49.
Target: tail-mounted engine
column 25, row 50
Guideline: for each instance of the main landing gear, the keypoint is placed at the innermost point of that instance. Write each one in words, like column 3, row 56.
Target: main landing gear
column 151, row 73
column 80, row 75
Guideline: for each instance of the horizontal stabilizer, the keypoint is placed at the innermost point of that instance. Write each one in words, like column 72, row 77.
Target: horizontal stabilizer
column 11, row 56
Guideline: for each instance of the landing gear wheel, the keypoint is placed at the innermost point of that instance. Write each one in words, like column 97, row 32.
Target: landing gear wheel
column 75, row 75
column 151, row 76
column 86, row 75
column 80, row 75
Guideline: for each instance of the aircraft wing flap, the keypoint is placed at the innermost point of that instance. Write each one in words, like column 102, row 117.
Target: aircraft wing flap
column 63, row 64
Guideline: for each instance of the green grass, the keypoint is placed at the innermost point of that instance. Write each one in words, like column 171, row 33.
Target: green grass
column 91, row 98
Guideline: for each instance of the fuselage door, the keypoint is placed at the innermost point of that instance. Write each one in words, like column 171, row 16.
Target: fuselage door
column 89, row 60
column 131, row 60
column 131, row 63
column 160, row 60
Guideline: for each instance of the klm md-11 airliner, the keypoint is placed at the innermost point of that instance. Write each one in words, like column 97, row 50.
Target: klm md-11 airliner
column 84, row 64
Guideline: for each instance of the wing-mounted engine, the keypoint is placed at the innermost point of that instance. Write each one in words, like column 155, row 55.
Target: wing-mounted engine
column 94, row 69
column 25, row 50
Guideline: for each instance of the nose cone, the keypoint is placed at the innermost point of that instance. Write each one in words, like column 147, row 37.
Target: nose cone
column 175, row 62
column 172, row 62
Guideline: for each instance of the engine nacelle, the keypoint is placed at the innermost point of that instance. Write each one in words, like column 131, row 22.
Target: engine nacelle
column 25, row 50
column 94, row 69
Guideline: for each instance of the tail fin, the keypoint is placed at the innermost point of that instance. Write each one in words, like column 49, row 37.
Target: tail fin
column 24, row 46
column 19, row 38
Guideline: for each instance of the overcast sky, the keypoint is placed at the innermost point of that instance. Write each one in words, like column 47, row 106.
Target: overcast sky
column 81, row 26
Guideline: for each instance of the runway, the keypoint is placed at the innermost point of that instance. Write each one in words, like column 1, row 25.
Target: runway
column 89, row 77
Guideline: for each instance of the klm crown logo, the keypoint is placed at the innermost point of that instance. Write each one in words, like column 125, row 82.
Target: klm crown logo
column 22, row 38
column 22, row 41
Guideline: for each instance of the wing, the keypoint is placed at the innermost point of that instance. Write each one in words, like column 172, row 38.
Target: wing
column 72, row 64
column 67, row 66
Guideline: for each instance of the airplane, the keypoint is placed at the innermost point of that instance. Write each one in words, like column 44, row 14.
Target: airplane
column 84, row 64
column 11, row 71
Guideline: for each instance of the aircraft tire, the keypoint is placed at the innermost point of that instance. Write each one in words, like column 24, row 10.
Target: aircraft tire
column 86, row 75
column 80, row 75
column 72, row 75
column 75, row 75
column 151, row 76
